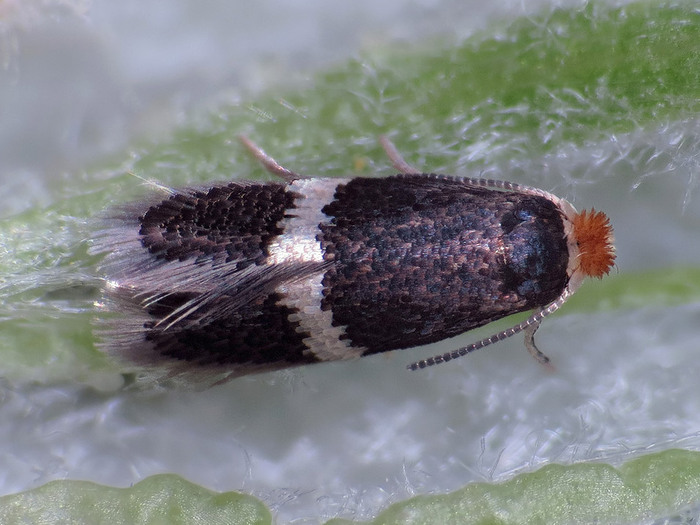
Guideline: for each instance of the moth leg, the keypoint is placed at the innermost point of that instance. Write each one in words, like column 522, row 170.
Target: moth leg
column 532, row 347
column 268, row 162
column 396, row 158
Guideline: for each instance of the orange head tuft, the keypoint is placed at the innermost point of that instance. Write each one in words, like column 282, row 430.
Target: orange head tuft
column 594, row 236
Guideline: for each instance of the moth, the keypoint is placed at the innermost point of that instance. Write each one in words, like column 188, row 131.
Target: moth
column 245, row 277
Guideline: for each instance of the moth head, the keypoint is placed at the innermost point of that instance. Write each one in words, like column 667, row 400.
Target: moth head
column 594, row 237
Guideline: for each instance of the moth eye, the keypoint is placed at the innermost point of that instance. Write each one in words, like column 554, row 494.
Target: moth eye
column 514, row 218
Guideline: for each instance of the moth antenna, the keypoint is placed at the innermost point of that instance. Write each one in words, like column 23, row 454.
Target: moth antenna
column 404, row 167
column 505, row 185
column 529, row 326
column 395, row 157
column 268, row 162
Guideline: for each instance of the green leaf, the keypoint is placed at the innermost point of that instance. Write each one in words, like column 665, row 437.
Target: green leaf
column 583, row 493
column 163, row 499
